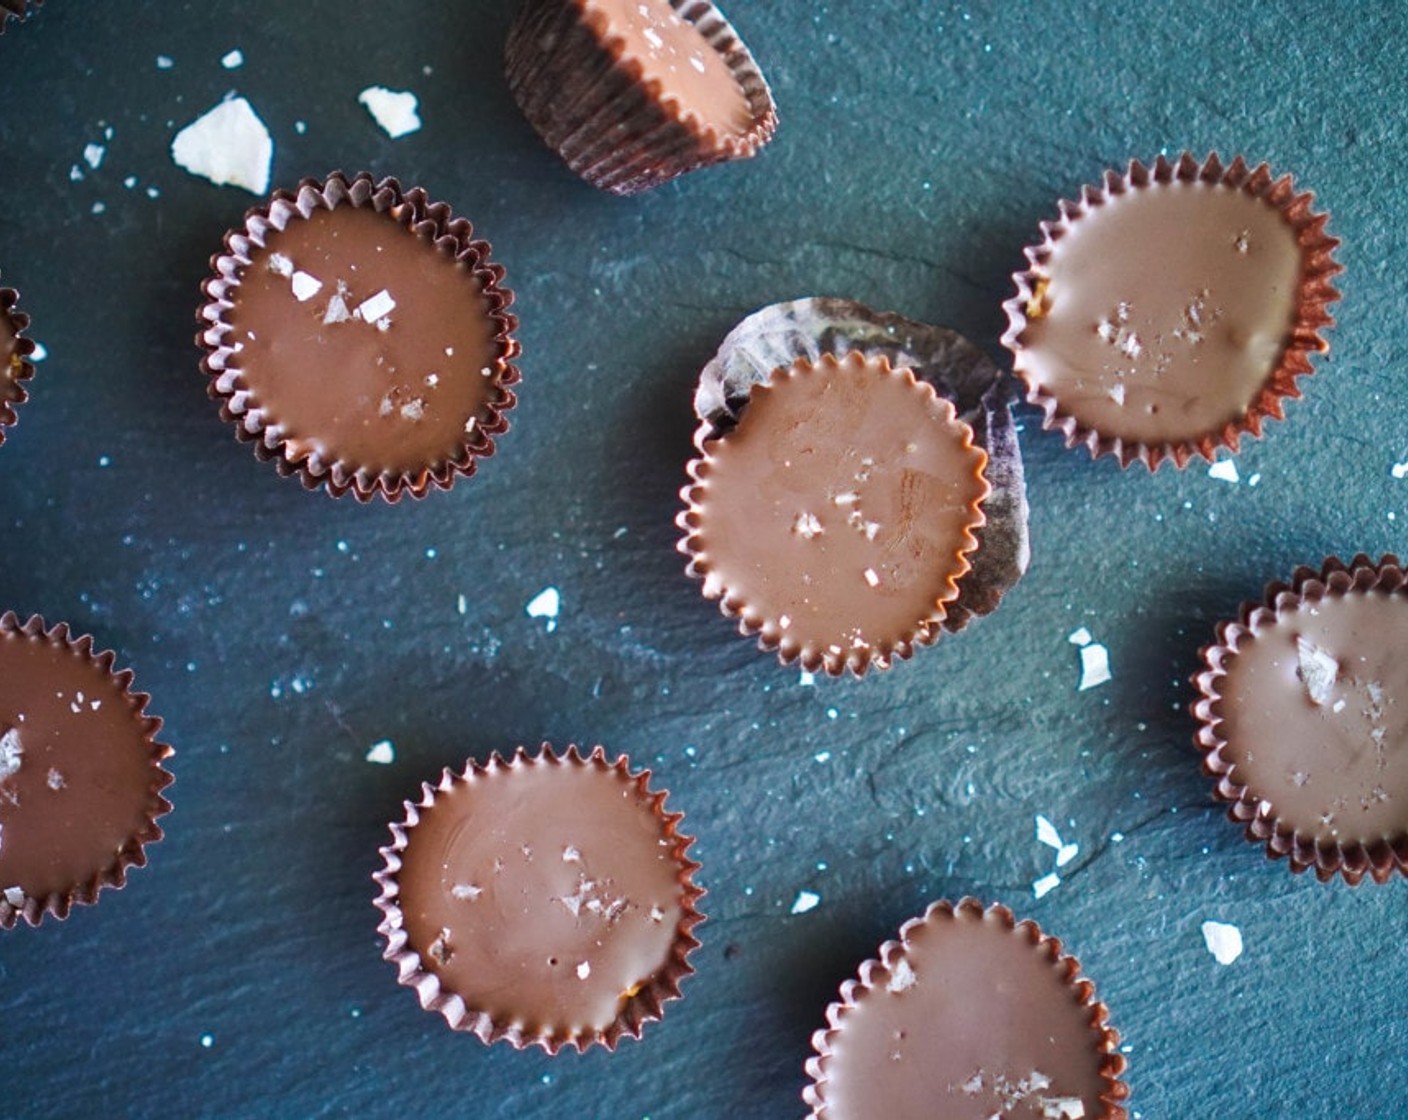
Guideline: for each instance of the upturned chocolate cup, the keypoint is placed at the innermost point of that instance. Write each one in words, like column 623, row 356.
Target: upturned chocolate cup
column 1303, row 718
column 545, row 900
column 968, row 1009
column 81, row 775
column 15, row 352
column 1163, row 372
column 305, row 451
column 592, row 103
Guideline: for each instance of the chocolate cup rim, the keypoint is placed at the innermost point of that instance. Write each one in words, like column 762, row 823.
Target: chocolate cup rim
column 24, row 348
column 59, row 904
column 27, row 9
column 1314, row 295
column 441, row 231
column 926, row 631
column 646, row 1006
column 1113, row 1063
column 1378, row 858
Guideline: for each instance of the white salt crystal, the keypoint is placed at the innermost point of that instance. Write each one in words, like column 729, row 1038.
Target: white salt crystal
column 1224, row 471
column 39, row 353
column 234, row 60
column 229, row 145
column 93, row 154
column 1081, row 637
column 376, row 307
column 305, row 287
column 10, row 753
column 1224, row 941
column 164, row 62
column 1318, row 670
column 545, row 604
column 1045, row 885
column 382, row 753
column 902, row 977
column 806, row 900
column 393, row 110
column 1067, row 853
column 1399, row 470
column 1046, row 833
column 466, row 892
column 1094, row 666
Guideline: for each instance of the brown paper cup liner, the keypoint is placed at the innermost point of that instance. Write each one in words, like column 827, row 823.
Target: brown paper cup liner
column 1378, row 857
column 590, row 103
column 132, row 851
column 17, row 10
column 641, row 1006
column 12, row 388
column 880, row 972
column 1311, row 314
column 771, row 637
column 441, row 232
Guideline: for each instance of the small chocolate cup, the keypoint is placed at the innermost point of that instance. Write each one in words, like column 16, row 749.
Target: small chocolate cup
column 18, row 10
column 101, row 790
column 591, row 104
column 517, row 928
column 1269, row 763
column 1314, row 292
column 442, row 233
column 889, row 995
column 15, row 352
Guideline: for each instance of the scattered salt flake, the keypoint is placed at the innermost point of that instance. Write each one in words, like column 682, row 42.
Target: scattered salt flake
column 1046, row 884
column 806, row 900
column 10, row 753
column 1094, row 666
column 99, row 207
column 1225, row 470
column 14, row 896
column 130, row 182
column 1399, row 470
column 337, row 307
column 376, row 307
column 413, row 410
column 234, row 60
column 1067, row 853
column 93, row 155
column 54, row 779
column 394, row 110
column 229, row 145
column 39, row 353
column 1081, row 637
column 806, row 679
column 305, row 287
column 584, row 970
column 807, row 526
column 821, row 757
column 383, row 753
column 1224, row 941
column 164, row 62
column 571, row 855
column 1317, row 670
column 871, row 578
column 1046, row 833
column 75, row 174
column 545, row 604
column 902, row 977
column 280, row 265
column 1062, row 1108
column 466, row 892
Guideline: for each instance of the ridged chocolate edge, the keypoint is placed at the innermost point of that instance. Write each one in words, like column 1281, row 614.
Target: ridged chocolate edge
column 646, row 1006
column 1353, row 860
column 21, row 368
column 441, row 231
column 1107, row 1038
column 133, row 851
column 1316, row 293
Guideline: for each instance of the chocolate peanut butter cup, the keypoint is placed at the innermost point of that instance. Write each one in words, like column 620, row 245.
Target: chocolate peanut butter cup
column 970, row 1015
column 81, row 778
column 835, row 518
column 547, row 900
column 1169, row 311
column 633, row 93
column 15, row 351
column 358, row 335
column 1303, row 710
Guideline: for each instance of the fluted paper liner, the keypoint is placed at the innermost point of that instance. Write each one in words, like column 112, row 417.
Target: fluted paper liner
column 12, row 388
column 589, row 101
column 132, row 852
column 1311, row 311
column 645, row 1005
column 879, row 972
column 441, row 232
column 1379, row 857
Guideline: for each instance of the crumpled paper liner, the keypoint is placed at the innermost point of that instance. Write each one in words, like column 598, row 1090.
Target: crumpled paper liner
column 1312, row 316
column 436, row 225
column 878, row 971
column 133, row 850
column 782, row 333
column 589, row 102
column 645, row 1006
column 1352, row 860
column 17, row 10
column 12, row 390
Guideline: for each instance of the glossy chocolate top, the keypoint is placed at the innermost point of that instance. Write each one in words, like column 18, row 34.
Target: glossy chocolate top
column 1164, row 311
column 544, row 894
column 363, row 342
column 79, row 776
column 674, row 53
column 970, row 1021
column 838, row 512
column 1315, row 715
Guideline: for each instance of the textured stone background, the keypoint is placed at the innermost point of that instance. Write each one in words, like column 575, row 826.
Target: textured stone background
column 282, row 633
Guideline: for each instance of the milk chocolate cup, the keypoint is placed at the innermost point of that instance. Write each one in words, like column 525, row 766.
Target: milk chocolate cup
column 1178, row 356
column 911, row 494
column 896, row 1028
column 1303, row 718
column 15, row 352
column 584, row 89
column 17, row 10
column 304, row 449
column 547, row 900
column 81, row 775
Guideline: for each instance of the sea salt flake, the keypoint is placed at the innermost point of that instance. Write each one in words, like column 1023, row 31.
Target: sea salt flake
column 871, row 578
column 11, row 752
column 233, row 60
column 1399, row 470
column 1067, row 853
column 382, row 753
column 394, row 110
column 846, row 499
column 1317, row 670
column 806, row 900
column 164, row 62
column 413, row 410
column 14, row 896
column 1081, row 637
column 807, row 526
column 305, row 287
column 1224, row 941
column 337, row 307
column 1094, row 666
column 1224, row 471
column 571, row 855
column 280, row 265
column 376, row 307
column 93, row 155
column 546, row 604
column 1046, row 833
column 902, row 977
column 584, row 970
column 54, row 780
column 466, row 892
column 1045, row 885
column 1062, row 1108
column 229, row 145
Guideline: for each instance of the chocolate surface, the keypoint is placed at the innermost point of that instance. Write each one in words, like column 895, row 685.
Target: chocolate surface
column 836, row 515
column 546, row 895
column 363, row 343
column 1163, row 310
column 1315, row 715
column 966, row 1019
column 672, row 52
column 79, row 776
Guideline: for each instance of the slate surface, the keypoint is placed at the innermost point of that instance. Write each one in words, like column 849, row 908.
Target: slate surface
column 282, row 633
